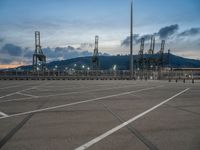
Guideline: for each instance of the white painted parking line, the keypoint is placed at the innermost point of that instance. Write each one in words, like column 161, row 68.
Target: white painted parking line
column 12, row 86
column 24, row 94
column 10, row 94
column 3, row 114
column 9, row 87
column 79, row 102
column 16, row 92
column 104, row 135
column 62, row 94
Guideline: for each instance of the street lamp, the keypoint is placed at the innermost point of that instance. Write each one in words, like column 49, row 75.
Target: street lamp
column 114, row 67
column 83, row 66
column 55, row 68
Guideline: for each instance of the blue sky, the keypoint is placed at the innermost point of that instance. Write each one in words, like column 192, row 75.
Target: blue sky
column 74, row 23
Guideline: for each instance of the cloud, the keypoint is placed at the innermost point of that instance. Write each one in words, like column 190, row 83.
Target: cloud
column 136, row 39
column 86, row 45
column 190, row 32
column 10, row 53
column 163, row 33
column 178, row 42
column 11, row 50
column 62, row 53
column 1, row 40
column 167, row 31
column 5, row 60
column 126, row 41
column 146, row 37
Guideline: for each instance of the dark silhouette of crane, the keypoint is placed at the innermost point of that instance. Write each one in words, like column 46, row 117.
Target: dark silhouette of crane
column 95, row 57
column 161, row 52
column 141, row 55
column 39, row 59
column 152, row 46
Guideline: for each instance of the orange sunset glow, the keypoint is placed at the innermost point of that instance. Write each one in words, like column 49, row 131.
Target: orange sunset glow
column 9, row 66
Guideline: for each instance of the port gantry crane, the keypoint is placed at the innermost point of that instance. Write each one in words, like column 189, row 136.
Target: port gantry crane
column 150, row 61
column 141, row 55
column 95, row 57
column 152, row 46
column 39, row 59
column 161, row 52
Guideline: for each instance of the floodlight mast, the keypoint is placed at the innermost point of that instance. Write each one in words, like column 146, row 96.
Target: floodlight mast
column 131, row 43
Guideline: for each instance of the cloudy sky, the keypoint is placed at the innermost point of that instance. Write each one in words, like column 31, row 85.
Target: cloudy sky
column 68, row 27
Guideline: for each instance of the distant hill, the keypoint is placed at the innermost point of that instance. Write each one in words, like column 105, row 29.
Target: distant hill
column 122, row 62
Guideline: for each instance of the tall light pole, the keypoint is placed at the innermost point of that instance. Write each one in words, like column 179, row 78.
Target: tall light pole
column 131, row 43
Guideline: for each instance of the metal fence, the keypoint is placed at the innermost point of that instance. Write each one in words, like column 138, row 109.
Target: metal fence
column 101, row 74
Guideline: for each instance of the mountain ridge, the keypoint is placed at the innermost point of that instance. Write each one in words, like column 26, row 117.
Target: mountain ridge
column 121, row 61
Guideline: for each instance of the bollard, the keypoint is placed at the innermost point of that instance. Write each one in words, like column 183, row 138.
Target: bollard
column 176, row 80
column 169, row 80
column 183, row 80
column 192, row 80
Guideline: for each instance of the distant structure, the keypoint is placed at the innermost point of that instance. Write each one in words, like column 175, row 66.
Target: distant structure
column 151, row 60
column 95, row 57
column 161, row 52
column 168, row 58
column 131, row 43
column 141, row 55
column 152, row 46
column 39, row 59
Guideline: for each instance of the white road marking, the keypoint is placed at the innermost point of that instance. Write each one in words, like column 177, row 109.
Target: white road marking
column 26, row 94
column 3, row 114
column 8, row 95
column 15, row 86
column 104, row 135
column 79, row 102
column 22, row 91
column 9, row 87
column 18, row 99
column 61, row 94
column 59, row 88
column 16, row 92
column 43, row 90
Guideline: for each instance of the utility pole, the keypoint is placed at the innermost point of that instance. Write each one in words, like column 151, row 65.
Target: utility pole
column 131, row 43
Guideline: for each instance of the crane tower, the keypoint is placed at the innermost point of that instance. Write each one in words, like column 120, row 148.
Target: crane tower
column 95, row 58
column 39, row 59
